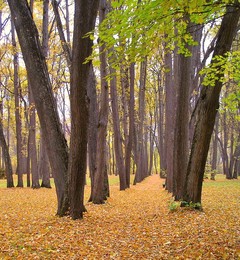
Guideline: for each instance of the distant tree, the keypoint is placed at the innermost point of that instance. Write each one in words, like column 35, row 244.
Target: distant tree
column 17, row 93
column 6, row 156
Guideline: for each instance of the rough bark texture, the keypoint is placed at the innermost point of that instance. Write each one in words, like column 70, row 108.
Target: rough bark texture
column 84, row 22
column 98, row 195
column 208, row 105
column 181, row 134
column 43, row 97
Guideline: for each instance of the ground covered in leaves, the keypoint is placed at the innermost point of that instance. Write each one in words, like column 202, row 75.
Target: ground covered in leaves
column 133, row 224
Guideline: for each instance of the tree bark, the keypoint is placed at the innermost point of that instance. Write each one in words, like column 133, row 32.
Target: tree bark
column 207, row 109
column 140, row 174
column 17, row 90
column 32, row 143
column 215, row 149
column 131, row 125
column 43, row 165
column 6, row 156
column 181, row 134
column 43, row 97
column 116, row 128
column 84, row 22
column 170, row 119
column 98, row 195
column 92, row 128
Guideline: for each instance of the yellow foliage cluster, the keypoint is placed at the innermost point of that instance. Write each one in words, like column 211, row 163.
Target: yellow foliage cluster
column 133, row 224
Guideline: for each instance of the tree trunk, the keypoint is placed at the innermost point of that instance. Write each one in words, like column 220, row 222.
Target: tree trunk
column 170, row 119
column 6, row 156
column 17, row 90
column 92, row 128
column 32, row 143
column 215, row 149
column 43, row 165
column 43, row 97
column 84, row 22
column 236, row 159
column 161, row 133
column 140, row 174
column 98, row 195
column 117, row 133
column 207, row 110
column 225, row 157
column 181, row 134
column 131, row 126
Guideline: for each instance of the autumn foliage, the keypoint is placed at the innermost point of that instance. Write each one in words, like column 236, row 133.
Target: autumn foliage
column 133, row 224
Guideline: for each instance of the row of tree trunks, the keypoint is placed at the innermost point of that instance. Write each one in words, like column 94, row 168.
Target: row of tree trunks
column 6, row 156
column 43, row 97
column 17, row 89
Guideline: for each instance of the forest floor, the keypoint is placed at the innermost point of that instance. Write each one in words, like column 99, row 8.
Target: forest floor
column 133, row 224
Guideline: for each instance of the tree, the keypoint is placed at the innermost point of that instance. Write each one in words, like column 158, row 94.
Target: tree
column 98, row 195
column 17, row 90
column 43, row 97
column 207, row 108
column 181, row 134
column 84, row 22
column 6, row 156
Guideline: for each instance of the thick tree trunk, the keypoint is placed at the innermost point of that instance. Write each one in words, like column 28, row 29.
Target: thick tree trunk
column 98, row 195
column 84, row 22
column 43, row 97
column 181, row 134
column 207, row 110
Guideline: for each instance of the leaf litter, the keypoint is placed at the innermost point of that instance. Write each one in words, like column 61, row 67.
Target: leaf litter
column 132, row 224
